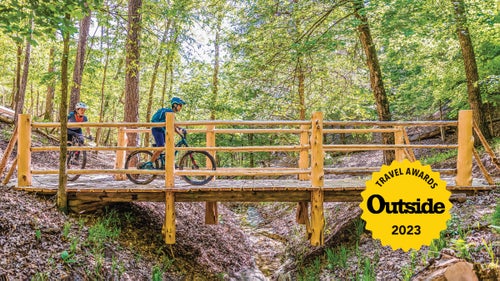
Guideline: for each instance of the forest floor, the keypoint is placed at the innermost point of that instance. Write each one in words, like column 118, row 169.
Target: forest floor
column 251, row 242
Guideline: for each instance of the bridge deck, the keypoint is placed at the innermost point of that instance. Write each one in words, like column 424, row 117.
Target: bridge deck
column 105, row 188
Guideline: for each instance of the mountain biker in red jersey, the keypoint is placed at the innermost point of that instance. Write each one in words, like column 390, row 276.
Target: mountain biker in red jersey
column 78, row 115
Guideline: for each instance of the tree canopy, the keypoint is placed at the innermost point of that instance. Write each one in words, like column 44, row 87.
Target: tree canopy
column 276, row 59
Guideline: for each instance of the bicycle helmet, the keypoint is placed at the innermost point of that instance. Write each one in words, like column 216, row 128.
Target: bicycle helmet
column 81, row 105
column 176, row 100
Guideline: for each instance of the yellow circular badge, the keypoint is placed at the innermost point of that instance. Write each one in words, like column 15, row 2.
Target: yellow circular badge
column 405, row 205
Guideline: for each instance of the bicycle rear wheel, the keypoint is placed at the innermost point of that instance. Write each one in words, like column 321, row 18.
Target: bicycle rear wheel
column 141, row 160
column 76, row 160
column 197, row 160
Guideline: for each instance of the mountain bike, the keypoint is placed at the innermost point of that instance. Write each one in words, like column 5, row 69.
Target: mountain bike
column 191, row 160
column 76, row 159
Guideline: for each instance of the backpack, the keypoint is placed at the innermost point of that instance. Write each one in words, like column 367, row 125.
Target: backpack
column 159, row 115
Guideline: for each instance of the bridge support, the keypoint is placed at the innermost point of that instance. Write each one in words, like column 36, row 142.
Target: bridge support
column 302, row 216
column 24, row 151
column 398, row 140
column 169, row 225
column 465, row 148
column 211, row 211
column 317, row 180
column 121, row 154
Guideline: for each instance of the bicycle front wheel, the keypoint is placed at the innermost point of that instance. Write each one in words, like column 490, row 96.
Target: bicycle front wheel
column 197, row 160
column 141, row 160
column 76, row 160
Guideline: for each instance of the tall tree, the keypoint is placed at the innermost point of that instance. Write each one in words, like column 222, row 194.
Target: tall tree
column 21, row 91
column 49, row 98
column 215, row 75
column 132, row 61
column 62, row 199
column 376, row 82
column 79, row 61
column 471, row 73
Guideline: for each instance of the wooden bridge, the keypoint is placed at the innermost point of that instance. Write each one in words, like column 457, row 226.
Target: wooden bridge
column 310, row 183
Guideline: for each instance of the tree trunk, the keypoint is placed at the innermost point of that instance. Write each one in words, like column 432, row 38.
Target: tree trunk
column 132, row 67
column 49, row 99
column 62, row 199
column 159, row 57
column 376, row 81
column 24, row 80
column 215, row 76
column 103, row 98
column 302, row 95
column 80, row 58
column 169, row 68
column 471, row 73
column 17, row 79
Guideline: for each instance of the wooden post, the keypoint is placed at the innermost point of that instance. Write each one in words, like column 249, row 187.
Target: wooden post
column 11, row 171
column 211, row 211
column 317, row 180
column 302, row 216
column 398, row 140
column 304, row 152
column 465, row 147
column 121, row 154
column 24, row 151
column 8, row 151
column 169, row 226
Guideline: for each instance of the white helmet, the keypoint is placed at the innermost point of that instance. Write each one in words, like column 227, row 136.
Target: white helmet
column 81, row 105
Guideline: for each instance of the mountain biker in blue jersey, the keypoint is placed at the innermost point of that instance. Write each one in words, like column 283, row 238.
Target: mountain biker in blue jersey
column 78, row 115
column 159, row 132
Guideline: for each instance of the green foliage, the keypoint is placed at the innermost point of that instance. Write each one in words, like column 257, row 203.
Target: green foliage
column 67, row 257
column 106, row 228
column 38, row 234
column 311, row 272
column 408, row 270
column 437, row 245
column 462, row 248
column 66, row 229
column 495, row 219
column 337, row 257
column 439, row 157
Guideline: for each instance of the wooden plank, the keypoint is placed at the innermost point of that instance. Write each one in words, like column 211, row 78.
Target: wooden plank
column 317, row 218
column 358, row 131
column 8, row 150
column 23, row 150
column 366, row 147
column 121, row 154
column 11, row 171
column 245, row 148
column 392, row 123
column 486, row 175
column 465, row 147
column 486, row 145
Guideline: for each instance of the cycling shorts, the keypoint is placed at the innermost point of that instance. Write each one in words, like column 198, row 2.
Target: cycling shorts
column 159, row 135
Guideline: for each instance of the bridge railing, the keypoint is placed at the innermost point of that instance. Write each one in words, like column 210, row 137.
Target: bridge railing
column 304, row 129
column 310, row 146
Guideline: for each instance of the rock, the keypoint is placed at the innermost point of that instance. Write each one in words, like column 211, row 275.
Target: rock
column 447, row 268
column 247, row 274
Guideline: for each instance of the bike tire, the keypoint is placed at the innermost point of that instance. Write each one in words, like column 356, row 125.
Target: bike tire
column 197, row 160
column 135, row 160
column 76, row 160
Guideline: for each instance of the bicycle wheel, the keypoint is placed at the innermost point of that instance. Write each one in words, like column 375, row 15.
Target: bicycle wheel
column 141, row 160
column 197, row 160
column 76, row 160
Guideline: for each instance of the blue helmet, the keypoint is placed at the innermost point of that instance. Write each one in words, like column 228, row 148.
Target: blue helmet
column 176, row 100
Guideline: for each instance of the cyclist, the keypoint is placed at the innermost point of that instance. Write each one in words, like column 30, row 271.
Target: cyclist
column 159, row 132
column 78, row 115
